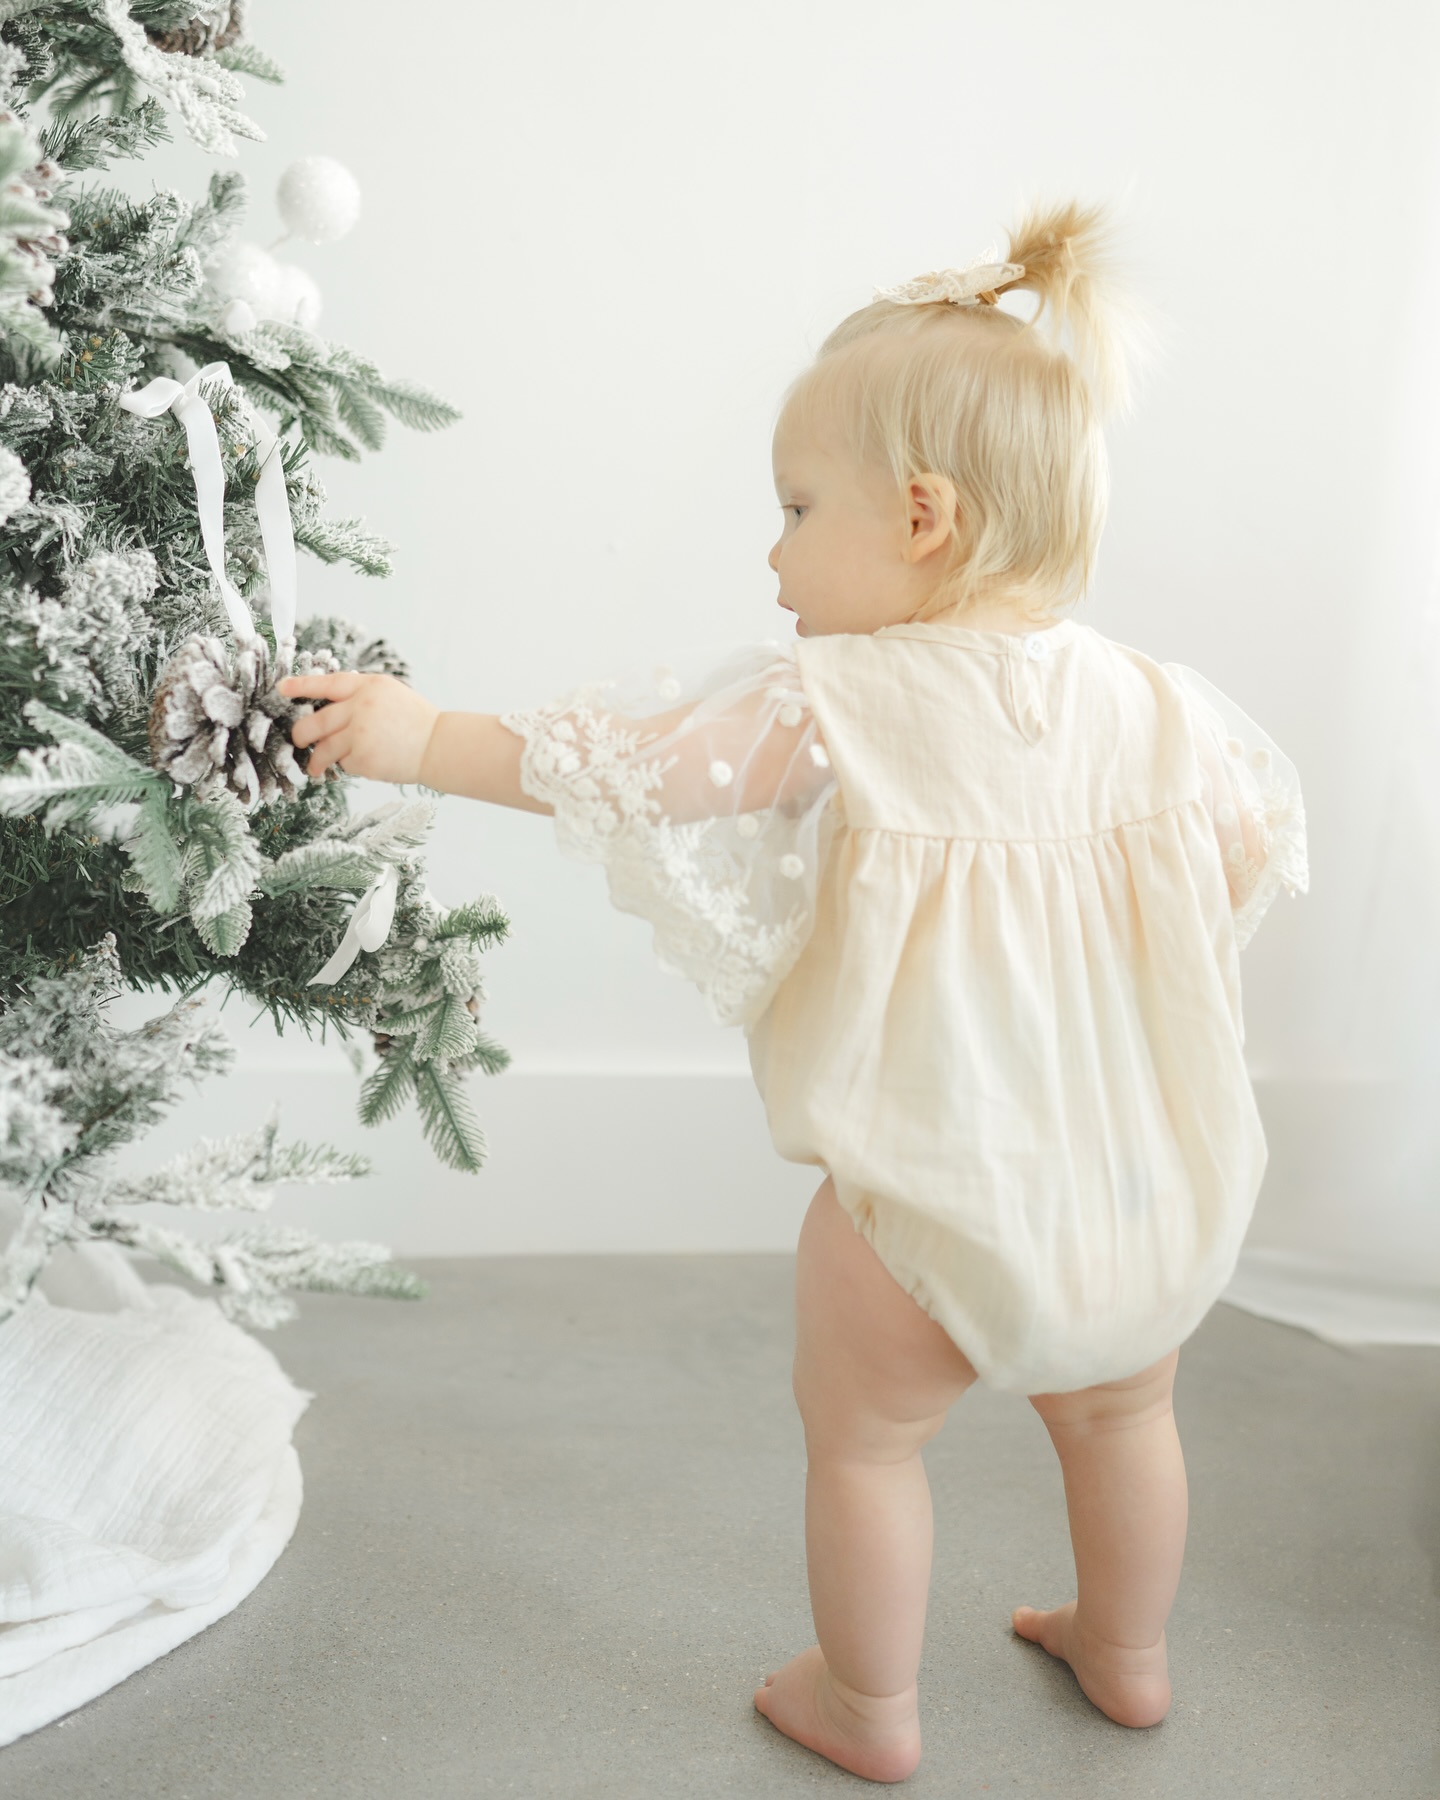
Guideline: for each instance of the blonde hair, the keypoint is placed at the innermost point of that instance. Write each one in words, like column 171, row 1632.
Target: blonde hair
column 1009, row 412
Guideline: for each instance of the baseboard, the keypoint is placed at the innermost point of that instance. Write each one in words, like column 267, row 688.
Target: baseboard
column 577, row 1162
column 1345, row 1241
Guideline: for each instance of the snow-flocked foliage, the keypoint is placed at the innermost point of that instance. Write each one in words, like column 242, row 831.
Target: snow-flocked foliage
column 103, row 578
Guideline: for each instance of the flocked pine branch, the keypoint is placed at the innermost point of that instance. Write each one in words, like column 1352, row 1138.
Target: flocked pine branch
column 78, row 144
column 255, row 1271
column 431, row 980
column 103, row 578
column 202, row 90
column 336, row 399
column 82, row 1087
column 248, row 59
column 31, row 240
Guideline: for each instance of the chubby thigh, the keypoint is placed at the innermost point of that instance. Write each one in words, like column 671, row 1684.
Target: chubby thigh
column 872, row 1368
column 874, row 1375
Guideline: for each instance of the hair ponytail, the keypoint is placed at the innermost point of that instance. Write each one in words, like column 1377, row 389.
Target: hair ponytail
column 1067, row 252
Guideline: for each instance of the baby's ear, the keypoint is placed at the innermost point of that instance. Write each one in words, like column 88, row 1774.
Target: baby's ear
column 931, row 505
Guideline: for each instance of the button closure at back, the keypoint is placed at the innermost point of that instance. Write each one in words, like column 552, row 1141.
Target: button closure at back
column 1035, row 646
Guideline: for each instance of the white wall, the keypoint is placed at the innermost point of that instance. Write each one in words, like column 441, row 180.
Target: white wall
column 611, row 233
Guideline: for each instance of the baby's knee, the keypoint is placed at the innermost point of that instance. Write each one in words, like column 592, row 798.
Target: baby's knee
column 843, row 1424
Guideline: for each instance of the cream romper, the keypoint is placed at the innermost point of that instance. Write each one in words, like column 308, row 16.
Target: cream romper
column 977, row 900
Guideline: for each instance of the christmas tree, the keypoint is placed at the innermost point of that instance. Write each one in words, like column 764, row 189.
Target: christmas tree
column 157, row 829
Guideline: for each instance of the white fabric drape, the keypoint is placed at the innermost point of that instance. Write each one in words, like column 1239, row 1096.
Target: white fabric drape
column 147, row 1479
column 1346, row 1241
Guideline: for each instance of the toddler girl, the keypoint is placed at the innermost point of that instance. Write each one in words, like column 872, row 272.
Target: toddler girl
column 974, row 880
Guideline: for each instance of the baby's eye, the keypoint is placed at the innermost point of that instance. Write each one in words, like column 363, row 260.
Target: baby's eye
column 799, row 512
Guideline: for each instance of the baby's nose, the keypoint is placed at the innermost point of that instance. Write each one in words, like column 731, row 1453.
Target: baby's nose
column 774, row 557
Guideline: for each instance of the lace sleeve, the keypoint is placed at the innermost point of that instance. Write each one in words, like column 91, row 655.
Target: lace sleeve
column 1253, row 793
column 703, row 789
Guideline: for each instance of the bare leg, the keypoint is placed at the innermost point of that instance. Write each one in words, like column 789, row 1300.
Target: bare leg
column 1125, row 1490
column 874, row 1378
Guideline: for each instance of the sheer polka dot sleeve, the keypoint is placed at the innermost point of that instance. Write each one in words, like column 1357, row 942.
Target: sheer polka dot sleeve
column 702, row 787
column 1253, row 794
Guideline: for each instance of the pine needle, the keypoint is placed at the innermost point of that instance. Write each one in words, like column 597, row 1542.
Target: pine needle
column 451, row 1128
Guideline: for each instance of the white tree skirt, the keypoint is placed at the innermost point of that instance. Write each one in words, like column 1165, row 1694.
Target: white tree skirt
column 147, row 1480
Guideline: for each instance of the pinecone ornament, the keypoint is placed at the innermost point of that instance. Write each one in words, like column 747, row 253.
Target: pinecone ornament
column 371, row 656
column 217, row 720
column 214, row 27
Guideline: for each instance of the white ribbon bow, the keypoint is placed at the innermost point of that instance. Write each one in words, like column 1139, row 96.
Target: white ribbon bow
column 272, row 505
column 960, row 287
column 369, row 924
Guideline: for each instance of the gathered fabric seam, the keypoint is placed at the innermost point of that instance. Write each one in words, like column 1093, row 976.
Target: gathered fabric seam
column 1073, row 837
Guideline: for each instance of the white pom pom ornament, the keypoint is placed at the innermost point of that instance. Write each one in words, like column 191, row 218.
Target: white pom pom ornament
column 237, row 317
column 246, row 272
column 254, row 286
column 319, row 199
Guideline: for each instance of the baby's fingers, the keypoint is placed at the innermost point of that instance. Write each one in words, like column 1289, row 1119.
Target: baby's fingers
column 333, row 749
column 321, row 687
column 321, row 724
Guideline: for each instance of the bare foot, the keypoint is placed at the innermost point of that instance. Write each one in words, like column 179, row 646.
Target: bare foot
column 1130, row 1686
column 876, row 1738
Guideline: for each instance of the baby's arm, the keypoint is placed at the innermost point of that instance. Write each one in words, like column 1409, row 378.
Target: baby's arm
column 1239, row 831
column 378, row 727
column 706, row 798
column 1252, row 794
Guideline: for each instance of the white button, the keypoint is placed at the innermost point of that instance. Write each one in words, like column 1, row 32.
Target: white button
column 792, row 866
column 1035, row 645
column 748, row 825
column 789, row 714
column 721, row 774
column 820, row 756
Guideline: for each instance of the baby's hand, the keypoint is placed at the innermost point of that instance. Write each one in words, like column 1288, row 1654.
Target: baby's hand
column 374, row 726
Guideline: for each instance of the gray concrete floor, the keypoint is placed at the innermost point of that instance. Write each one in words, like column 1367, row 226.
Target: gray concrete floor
column 552, row 1539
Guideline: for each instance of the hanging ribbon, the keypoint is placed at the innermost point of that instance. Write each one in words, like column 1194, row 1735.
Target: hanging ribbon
column 272, row 504
column 369, row 924
column 272, row 508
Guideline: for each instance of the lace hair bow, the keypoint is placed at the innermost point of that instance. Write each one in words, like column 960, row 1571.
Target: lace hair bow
column 974, row 285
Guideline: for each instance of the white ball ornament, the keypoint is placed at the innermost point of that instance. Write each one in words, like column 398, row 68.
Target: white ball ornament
column 297, row 299
column 246, row 272
column 237, row 317
column 319, row 199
